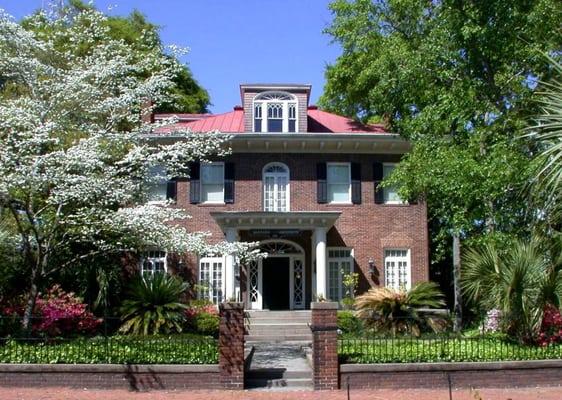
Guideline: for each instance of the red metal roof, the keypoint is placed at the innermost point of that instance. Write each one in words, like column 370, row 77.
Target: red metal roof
column 322, row 121
column 233, row 122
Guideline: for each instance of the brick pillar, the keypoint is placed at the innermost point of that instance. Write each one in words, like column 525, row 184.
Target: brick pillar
column 231, row 345
column 325, row 346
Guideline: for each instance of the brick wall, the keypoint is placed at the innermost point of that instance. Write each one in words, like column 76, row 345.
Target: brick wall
column 460, row 375
column 368, row 228
column 325, row 370
column 129, row 377
column 231, row 345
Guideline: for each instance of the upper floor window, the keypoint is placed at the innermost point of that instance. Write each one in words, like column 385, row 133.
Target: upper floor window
column 157, row 184
column 153, row 262
column 279, row 109
column 276, row 187
column 339, row 182
column 390, row 192
column 212, row 182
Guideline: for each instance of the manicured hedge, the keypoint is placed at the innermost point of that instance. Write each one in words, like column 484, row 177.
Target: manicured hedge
column 439, row 349
column 174, row 349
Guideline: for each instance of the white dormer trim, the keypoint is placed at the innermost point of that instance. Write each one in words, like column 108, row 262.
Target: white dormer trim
column 285, row 102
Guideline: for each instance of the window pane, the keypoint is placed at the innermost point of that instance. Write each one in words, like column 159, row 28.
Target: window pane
column 338, row 193
column 390, row 192
column 212, row 193
column 292, row 124
column 212, row 173
column 157, row 185
column 274, row 125
column 257, row 125
column 338, row 173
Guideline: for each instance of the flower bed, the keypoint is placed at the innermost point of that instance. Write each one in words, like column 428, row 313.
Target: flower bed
column 174, row 349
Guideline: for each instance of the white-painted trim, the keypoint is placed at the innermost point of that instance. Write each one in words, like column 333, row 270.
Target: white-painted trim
column 144, row 257
column 285, row 109
column 388, row 164
column 211, row 260
column 351, row 260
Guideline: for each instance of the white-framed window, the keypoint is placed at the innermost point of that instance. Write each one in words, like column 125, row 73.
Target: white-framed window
column 212, row 182
column 340, row 263
column 157, row 185
column 390, row 192
column 339, row 182
column 276, row 189
column 153, row 262
column 280, row 111
column 397, row 269
column 211, row 279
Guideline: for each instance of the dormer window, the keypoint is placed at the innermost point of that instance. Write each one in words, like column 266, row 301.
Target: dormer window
column 279, row 108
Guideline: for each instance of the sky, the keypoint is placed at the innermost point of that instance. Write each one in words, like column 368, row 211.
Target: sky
column 234, row 41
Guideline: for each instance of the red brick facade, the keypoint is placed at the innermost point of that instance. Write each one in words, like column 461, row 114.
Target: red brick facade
column 325, row 367
column 368, row 228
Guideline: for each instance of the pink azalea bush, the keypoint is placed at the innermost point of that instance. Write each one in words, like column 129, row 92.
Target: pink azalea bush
column 492, row 321
column 551, row 326
column 58, row 313
column 202, row 318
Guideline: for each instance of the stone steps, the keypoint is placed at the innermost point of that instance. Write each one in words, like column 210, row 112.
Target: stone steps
column 278, row 326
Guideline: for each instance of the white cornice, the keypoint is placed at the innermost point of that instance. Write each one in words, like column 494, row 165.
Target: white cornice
column 302, row 220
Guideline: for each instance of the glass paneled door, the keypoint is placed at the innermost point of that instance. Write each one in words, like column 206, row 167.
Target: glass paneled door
column 276, row 188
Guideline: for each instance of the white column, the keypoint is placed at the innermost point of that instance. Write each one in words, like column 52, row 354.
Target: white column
column 320, row 244
column 230, row 284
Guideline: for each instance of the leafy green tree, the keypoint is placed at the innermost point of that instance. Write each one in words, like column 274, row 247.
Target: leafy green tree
column 186, row 96
column 457, row 79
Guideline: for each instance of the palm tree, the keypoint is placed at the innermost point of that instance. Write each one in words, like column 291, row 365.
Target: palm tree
column 153, row 305
column 519, row 281
column 547, row 134
column 400, row 310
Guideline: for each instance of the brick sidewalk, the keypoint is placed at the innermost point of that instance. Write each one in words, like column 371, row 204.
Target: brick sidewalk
column 554, row 393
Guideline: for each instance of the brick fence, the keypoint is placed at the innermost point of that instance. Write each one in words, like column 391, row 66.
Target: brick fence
column 329, row 375
column 228, row 374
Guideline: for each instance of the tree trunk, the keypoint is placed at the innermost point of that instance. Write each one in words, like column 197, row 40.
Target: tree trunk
column 457, row 325
column 30, row 304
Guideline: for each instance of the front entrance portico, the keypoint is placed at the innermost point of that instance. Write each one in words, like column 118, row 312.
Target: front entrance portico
column 291, row 275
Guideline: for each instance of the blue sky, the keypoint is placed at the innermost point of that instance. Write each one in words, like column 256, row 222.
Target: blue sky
column 233, row 42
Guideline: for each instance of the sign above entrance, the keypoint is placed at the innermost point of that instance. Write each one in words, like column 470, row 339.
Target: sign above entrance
column 274, row 233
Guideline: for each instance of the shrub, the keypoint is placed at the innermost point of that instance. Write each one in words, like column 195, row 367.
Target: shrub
column 398, row 311
column 349, row 324
column 492, row 321
column 202, row 317
column 153, row 305
column 551, row 326
column 56, row 313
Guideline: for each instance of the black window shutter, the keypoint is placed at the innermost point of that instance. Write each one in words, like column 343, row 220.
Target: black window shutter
column 172, row 189
column 377, row 179
column 356, row 183
column 229, row 182
column 194, row 185
column 322, row 184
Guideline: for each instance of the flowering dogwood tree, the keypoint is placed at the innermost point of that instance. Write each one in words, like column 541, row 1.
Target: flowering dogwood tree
column 74, row 158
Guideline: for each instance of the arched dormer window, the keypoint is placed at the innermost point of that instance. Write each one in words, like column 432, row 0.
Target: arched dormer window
column 276, row 187
column 275, row 112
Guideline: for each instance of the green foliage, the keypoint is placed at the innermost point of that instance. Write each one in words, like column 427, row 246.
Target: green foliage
column 152, row 305
column 206, row 324
column 176, row 349
column 399, row 311
column 519, row 280
column 454, row 78
column 546, row 134
column 186, row 97
column 441, row 349
column 349, row 324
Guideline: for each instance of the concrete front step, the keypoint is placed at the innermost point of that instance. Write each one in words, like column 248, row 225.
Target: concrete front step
column 277, row 378
column 278, row 314
column 277, row 338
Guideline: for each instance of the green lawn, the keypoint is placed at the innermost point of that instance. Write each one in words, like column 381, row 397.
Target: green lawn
column 403, row 350
column 172, row 349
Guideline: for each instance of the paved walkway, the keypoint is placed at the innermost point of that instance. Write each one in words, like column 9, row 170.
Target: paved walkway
column 484, row 394
column 279, row 355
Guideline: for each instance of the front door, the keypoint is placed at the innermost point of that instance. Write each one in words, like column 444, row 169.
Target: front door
column 276, row 283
